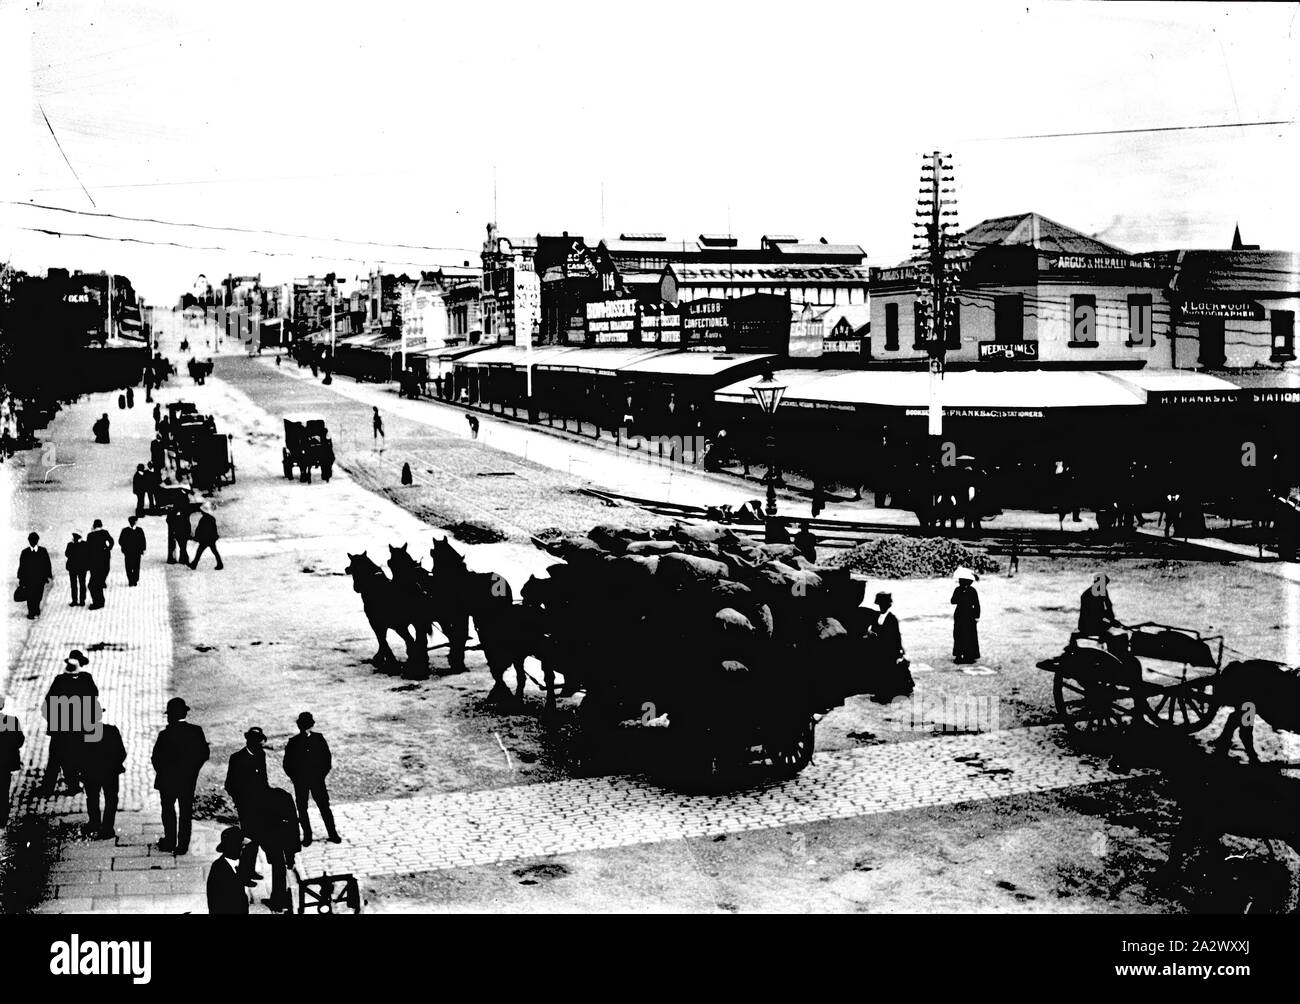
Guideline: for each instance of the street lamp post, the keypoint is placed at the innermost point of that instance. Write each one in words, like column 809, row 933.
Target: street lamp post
column 767, row 392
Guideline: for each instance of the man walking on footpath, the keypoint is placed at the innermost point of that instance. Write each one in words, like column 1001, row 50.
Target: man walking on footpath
column 225, row 888
column 278, row 827
column 140, row 486
column 307, row 761
column 158, row 455
column 377, row 425
column 11, row 741
column 99, row 550
column 34, row 572
column 179, row 754
column 178, row 533
column 102, row 761
column 100, row 429
column 247, row 786
column 205, row 535
column 473, row 425
column 71, row 700
column 131, row 543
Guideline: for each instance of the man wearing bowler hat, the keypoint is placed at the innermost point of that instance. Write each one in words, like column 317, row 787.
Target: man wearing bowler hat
column 306, row 762
column 179, row 754
column 246, row 783
column 225, row 888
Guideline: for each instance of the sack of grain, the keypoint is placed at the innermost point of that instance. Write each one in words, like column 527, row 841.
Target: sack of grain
column 649, row 547
column 683, row 570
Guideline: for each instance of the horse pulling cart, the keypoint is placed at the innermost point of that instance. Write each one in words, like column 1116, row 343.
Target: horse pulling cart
column 307, row 444
column 1157, row 673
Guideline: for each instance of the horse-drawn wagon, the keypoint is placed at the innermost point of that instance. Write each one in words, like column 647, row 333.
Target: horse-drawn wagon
column 307, row 444
column 1150, row 672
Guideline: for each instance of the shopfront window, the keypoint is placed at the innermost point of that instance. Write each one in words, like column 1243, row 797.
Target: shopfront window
column 1009, row 318
column 1083, row 311
column 1139, row 319
column 891, row 327
column 1212, row 349
column 1283, row 322
column 919, row 334
column 952, row 329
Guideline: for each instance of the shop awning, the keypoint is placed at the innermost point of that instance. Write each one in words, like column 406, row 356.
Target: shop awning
column 600, row 360
column 695, row 363
column 1178, row 387
column 515, row 355
column 968, row 393
column 445, row 351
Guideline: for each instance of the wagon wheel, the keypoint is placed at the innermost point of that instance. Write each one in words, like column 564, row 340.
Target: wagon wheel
column 1091, row 707
column 1185, row 708
column 792, row 753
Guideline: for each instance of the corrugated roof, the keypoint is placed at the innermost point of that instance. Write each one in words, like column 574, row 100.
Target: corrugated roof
column 629, row 245
column 1254, row 272
column 819, row 248
column 1011, row 389
column 1033, row 230
column 606, row 359
column 694, row 363
column 515, row 355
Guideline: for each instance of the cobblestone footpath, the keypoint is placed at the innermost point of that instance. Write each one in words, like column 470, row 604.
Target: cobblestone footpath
column 129, row 644
column 486, row 827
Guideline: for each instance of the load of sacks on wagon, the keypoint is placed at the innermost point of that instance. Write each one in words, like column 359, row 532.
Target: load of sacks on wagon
column 701, row 610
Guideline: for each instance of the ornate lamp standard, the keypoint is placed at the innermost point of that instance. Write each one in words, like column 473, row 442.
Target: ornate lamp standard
column 767, row 392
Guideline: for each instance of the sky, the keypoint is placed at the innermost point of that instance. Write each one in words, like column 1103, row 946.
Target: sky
column 405, row 123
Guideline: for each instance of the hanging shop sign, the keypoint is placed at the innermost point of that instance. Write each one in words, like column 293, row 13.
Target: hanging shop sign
column 661, row 327
column 706, row 323
column 1230, row 395
column 1100, row 261
column 1193, row 310
column 1009, row 351
column 612, row 322
column 977, row 412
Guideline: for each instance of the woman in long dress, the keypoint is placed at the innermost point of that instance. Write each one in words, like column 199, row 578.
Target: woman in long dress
column 965, row 619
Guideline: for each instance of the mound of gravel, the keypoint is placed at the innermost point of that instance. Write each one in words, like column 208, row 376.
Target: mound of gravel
column 910, row 558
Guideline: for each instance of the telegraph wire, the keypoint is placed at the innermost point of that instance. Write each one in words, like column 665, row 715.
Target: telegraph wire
column 237, row 230
column 65, row 156
column 1125, row 132
column 239, row 251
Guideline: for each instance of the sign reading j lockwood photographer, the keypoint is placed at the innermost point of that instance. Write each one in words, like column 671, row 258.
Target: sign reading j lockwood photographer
column 1192, row 310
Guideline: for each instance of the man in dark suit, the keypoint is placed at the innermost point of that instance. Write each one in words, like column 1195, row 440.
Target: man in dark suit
column 75, row 562
column 205, row 535
column 225, row 888
column 99, row 550
column 307, row 761
column 11, row 741
column 246, row 783
column 278, row 826
column 140, row 486
column 102, row 761
column 34, row 573
column 158, row 455
column 71, row 701
column 131, row 543
column 179, row 754
column 178, row 533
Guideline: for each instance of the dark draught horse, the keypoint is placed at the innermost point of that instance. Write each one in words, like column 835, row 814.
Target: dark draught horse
column 389, row 608
column 453, row 594
column 1257, row 687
